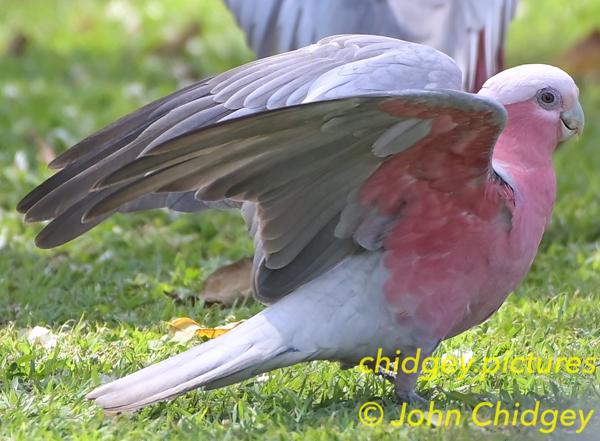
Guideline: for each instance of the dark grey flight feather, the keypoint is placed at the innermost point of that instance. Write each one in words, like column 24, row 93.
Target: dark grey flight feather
column 103, row 143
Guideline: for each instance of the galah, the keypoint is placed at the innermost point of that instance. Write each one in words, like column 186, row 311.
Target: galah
column 473, row 32
column 390, row 209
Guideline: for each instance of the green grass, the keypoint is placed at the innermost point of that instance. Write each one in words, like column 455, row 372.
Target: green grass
column 103, row 295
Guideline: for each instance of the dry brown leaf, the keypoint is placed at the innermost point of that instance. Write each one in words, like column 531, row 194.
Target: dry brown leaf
column 228, row 284
column 583, row 59
column 17, row 44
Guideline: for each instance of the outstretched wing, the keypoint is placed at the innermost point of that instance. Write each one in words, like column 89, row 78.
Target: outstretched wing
column 473, row 32
column 312, row 173
column 335, row 67
column 303, row 140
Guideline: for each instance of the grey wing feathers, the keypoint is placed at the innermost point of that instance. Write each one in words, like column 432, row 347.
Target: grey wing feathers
column 276, row 26
column 294, row 177
column 203, row 147
column 280, row 81
column 103, row 143
column 473, row 32
column 195, row 106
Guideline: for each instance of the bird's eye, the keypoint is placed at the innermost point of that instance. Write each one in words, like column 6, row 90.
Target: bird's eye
column 548, row 98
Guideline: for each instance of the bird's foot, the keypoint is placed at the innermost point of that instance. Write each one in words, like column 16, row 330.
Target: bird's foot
column 410, row 397
column 403, row 388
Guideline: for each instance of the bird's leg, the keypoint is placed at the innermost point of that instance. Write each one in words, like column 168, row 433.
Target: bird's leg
column 404, row 388
column 405, row 377
column 403, row 373
column 404, row 383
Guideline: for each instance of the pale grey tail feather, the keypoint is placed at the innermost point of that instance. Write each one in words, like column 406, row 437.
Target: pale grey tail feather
column 247, row 350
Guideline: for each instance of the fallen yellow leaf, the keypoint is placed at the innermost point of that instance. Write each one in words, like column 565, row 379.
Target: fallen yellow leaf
column 184, row 328
column 181, row 323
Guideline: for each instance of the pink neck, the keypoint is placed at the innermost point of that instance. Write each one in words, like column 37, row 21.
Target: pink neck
column 524, row 152
column 525, row 138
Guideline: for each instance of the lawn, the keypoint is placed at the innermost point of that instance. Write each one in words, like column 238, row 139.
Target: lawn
column 67, row 69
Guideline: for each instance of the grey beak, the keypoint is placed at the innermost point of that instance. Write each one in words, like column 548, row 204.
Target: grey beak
column 573, row 121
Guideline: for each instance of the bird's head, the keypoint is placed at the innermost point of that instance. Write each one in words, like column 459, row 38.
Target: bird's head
column 547, row 94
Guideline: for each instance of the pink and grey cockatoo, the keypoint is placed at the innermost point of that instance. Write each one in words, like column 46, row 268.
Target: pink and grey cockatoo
column 473, row 32
column 389, row 208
